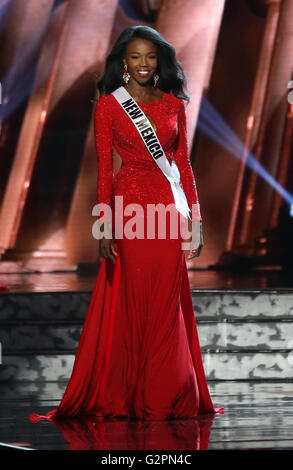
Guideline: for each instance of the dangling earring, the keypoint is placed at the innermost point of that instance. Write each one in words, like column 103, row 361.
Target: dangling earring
column 156, row 78
column 126, row 76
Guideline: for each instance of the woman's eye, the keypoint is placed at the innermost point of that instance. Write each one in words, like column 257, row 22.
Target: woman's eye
column 136, row 57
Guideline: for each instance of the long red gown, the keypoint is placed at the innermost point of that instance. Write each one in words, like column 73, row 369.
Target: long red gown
column 139, row 353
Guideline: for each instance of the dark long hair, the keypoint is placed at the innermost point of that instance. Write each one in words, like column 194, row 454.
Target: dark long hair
column 170, row 71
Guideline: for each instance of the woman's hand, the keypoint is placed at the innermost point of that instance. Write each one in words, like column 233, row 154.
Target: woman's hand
column 107, row 248
column 195, row 240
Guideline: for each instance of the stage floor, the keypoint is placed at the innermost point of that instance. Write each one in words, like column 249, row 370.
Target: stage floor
column 258, row 415
column 203, row 279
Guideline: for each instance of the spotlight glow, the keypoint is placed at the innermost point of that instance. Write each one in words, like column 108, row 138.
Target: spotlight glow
column 213, row 125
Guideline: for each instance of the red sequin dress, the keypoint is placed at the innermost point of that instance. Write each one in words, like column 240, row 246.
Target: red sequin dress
column 139, row 354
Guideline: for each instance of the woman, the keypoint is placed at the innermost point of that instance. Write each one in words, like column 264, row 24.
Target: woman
column 139, row 355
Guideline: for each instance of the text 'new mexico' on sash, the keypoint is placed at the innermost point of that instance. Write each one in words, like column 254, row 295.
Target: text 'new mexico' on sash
column 154, row 147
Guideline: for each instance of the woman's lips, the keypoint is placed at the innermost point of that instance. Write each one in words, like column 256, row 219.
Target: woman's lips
column 143, row 73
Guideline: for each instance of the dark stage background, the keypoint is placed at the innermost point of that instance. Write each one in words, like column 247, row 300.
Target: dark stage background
column 238, row 60
column 237, row 56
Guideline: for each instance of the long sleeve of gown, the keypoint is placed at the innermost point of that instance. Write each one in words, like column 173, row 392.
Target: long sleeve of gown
column 183, row 162
column 103, row 141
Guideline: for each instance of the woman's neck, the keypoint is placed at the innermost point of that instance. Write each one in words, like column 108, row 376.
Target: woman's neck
column 141, row 92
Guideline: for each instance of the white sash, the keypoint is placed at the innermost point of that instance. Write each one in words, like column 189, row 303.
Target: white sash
column 154, row 147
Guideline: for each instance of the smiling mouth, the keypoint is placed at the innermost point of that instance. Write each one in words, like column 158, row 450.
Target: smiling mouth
column 143, row 73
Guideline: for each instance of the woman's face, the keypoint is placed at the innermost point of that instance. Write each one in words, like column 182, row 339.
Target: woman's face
column 142, row 59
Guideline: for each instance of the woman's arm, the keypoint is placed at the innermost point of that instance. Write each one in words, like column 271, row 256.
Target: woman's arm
column 103, row 141
column 184, row 165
